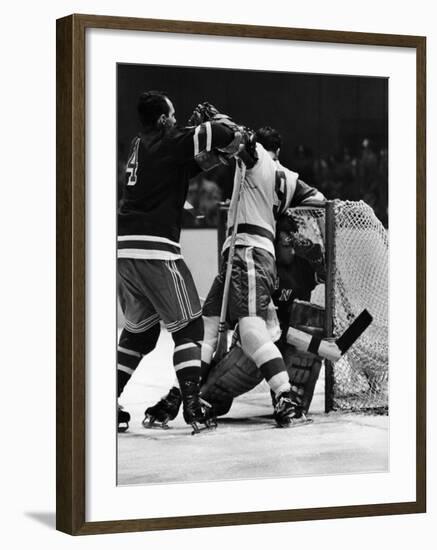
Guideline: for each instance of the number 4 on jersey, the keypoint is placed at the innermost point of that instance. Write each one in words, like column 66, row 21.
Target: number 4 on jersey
column 132, row 164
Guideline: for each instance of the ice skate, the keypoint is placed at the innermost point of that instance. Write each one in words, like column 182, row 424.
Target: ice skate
column 287, row 410
column 123, row 418
column 167, row 408
column 197, row 412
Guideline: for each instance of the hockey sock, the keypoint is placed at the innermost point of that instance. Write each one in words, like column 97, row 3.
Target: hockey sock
column 128, row 360
column 186, row 356
column 131, row 349
column 257, row 344
column 271, row 364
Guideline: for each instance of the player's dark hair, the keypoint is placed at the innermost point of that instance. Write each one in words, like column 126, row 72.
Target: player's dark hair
column 151, row 105
column 269, row 138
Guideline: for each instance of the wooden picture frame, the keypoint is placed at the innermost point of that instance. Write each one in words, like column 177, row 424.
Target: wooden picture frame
column 71, row 253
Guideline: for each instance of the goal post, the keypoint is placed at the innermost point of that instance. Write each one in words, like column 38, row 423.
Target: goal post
column 329, row 298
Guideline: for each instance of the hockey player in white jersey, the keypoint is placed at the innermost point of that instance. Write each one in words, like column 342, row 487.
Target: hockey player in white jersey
column 268, row 190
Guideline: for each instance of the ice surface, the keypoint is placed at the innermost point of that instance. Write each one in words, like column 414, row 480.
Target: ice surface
column 246, row 444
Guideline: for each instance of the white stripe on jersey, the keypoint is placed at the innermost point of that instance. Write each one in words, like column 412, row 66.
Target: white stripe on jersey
column 196, row 140
column 143, row 254
column 150, row 238
column 246, row 239
column 208, row 136
column 317, row 197
column 290, row 186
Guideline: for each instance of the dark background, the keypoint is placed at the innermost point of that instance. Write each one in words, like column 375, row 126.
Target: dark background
column 324, row 120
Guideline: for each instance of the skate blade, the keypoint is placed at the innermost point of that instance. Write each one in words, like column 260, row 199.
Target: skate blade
column 122, row 428
column 150, row 423
column 199, row 429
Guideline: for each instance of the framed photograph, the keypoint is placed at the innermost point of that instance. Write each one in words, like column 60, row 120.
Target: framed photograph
column 240, row 274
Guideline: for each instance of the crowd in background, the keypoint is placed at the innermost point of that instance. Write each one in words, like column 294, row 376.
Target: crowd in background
column 345, row 176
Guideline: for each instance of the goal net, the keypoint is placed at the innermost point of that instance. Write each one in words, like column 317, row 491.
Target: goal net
column 356, row 251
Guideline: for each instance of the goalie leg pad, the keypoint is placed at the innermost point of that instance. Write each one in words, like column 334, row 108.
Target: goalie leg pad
column 234, row 375
column 303, row 370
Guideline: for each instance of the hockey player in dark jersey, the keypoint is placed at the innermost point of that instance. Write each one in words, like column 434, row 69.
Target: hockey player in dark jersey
column 154, row 283
column 269, row 189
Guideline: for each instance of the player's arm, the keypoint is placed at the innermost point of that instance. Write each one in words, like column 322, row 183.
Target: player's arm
column 292, row 191
column 204, row 140
column 305, row 195
column 216, row 138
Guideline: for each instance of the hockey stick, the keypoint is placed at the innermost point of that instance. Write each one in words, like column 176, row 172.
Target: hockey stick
column 325, row 348
column 222, row 339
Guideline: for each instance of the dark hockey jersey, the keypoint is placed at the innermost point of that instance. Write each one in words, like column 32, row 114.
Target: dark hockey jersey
column 296, row 281
column 157, row 174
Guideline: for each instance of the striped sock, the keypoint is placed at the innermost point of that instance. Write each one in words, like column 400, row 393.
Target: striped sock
column 271, row 364
column 186, row 360
column 128, row 360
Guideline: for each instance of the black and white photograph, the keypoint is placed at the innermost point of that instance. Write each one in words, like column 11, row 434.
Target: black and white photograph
column 218, row 295
column 252, row 274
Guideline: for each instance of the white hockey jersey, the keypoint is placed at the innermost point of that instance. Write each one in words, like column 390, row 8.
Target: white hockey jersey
column 268, row 190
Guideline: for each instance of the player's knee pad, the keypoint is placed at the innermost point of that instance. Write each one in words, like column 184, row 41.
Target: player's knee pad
column 253, row 334
column 192, row 332
column 141, row 342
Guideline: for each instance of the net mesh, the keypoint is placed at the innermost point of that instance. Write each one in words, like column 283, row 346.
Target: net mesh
column 360, row 281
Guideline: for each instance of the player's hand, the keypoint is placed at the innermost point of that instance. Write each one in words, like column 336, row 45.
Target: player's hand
column 206, row 111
